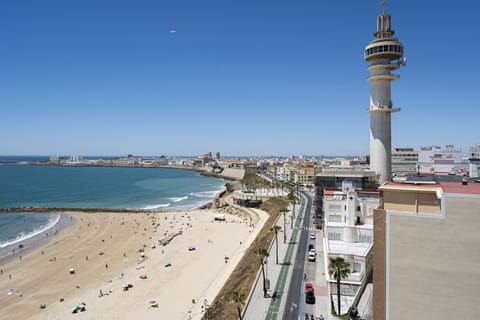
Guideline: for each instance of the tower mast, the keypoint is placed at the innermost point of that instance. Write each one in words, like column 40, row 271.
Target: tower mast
column 385, row 54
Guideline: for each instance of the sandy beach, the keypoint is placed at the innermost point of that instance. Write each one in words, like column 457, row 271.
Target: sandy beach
column 104, row 248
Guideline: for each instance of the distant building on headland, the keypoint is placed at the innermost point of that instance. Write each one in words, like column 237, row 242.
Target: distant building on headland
column 75, row 159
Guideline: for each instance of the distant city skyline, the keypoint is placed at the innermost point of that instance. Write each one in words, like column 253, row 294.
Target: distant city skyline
column 242, row 78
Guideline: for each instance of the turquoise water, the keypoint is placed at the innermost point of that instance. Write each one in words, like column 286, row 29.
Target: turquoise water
column 103, row 187
column 94, row 187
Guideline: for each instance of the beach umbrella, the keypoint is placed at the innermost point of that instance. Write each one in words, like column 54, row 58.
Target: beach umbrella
column 14, row 292
column 152, row 304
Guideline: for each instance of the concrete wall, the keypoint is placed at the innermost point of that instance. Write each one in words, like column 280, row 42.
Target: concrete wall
column 434, row 263
column 411, row 201
column 379, row 265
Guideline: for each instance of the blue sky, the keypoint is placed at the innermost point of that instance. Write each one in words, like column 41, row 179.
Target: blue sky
column 243, row 77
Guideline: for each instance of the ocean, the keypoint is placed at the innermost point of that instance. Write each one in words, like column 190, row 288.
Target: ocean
column 93, row 187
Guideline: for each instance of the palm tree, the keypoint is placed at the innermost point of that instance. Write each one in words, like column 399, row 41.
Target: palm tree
column 292, row 197
column 284, row 210
column 263, row 253
column 338, row 269
column 276, row 229
column 239, row 300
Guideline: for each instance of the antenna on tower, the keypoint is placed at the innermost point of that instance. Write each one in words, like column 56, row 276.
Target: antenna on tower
column 384, row 4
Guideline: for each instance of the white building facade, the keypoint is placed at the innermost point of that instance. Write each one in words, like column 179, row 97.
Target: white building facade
column 434, row 159
column 349, row 234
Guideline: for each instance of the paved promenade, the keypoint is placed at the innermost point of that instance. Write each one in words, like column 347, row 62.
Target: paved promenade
column 279, row 276
column 259, row 307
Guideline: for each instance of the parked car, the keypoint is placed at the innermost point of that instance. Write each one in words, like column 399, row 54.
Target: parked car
column 310, row 298
column 312, row 235
column 309, row 287
column 311, row 247
column 311, row 256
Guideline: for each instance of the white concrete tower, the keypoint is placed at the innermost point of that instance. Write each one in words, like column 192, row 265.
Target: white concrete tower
column 385, row 54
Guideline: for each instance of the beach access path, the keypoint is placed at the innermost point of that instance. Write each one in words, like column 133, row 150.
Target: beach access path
column 103, row 250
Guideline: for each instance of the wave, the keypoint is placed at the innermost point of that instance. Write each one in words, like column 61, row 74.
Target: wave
column 178, row 199
column 204, row 194
column 24, row 236
column 157, row 206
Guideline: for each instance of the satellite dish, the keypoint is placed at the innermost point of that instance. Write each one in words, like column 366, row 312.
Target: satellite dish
column 402, row 62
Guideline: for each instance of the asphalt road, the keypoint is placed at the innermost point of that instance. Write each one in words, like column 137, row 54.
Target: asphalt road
column 294, row 292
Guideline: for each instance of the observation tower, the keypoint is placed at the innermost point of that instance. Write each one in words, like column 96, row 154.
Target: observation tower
column 385, row 54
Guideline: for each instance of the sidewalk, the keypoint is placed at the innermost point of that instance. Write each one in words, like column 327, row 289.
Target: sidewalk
column 259, row 307
column 322, row 305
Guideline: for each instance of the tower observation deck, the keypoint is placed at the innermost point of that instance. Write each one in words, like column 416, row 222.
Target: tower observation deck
column 385, row 54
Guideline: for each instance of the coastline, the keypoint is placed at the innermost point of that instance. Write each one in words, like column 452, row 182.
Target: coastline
column 103, row 246
column 91, row 246
column 25, row 246
column 229, row 174
column 204, row 205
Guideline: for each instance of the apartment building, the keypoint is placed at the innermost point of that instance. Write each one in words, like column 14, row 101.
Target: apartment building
column 434, row 159
column 425, row 257
column 349, row 234
column 404, row 160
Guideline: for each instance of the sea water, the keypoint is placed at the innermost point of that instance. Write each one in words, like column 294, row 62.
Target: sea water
column 18, row 226
column 94, row 187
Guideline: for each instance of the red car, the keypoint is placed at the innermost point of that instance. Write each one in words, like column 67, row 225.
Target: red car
column 309, row 287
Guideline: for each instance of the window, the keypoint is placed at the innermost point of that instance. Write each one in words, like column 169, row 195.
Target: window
column 365, row 238
column 357, row 267
column 335, row 207
column 333, row 236
column 334, row 218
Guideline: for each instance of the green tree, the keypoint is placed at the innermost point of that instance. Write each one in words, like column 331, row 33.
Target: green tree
column 292, row 197
column 238, row 300
column 262, row 253
column 276, row 229
column 339, row 269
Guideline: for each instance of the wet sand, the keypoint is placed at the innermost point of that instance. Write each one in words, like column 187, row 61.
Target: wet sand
column 13, row 251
